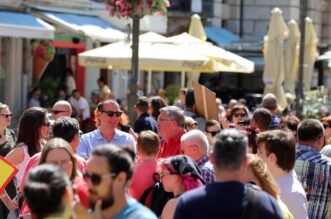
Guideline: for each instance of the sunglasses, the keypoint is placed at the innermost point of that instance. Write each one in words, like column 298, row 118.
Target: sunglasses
column 46, row 124
column 239, row 114
column 213, row 133
column 6, row 115
column 96, row 179
column 325, row 126
column 58, row 111
column 112, row 113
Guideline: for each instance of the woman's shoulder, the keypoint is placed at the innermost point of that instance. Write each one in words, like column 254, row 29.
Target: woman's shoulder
column 169, row 208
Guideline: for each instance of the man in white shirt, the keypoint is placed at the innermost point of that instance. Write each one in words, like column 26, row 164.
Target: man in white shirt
column 277, row 149
column 82, row 107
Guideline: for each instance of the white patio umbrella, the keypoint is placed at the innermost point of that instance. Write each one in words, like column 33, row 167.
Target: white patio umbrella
column 311, row 41
column 273, row 75
column 224, row 60
column 292, row 57
column 172, row 55
column 196, row 29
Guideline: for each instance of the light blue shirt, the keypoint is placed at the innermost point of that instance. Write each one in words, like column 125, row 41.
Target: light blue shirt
column 91, row 140
column 135, row 210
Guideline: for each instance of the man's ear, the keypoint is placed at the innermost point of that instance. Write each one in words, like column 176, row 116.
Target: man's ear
column 121, row 178
column 273, row 157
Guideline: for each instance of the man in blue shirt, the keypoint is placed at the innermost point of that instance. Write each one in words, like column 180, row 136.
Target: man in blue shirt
column 227, row 197
column 108, row 172
column 108, row 116
column 145, row 121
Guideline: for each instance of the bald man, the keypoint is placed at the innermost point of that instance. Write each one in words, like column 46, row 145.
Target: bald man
column 195, row 145
column 269, row 102
column 61, row 108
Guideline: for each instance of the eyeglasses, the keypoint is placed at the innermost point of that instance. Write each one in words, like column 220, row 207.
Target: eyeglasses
column 96, row 178
column 163, row 120
column 112, row 113
column 58, row 111
column 6, row 115
column 48, row 124
column 239, row 114
column 63, row 164
column 162, row 174
column 213, row 133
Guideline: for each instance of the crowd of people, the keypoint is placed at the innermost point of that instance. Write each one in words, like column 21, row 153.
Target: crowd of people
column 173, row 163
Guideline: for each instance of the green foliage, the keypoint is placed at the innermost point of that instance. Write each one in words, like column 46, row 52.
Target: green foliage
column 316, row 104
column 172, row 91
column 48, row 87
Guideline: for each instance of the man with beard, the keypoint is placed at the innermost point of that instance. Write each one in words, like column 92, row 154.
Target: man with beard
column 107, row 115
column 108, row 172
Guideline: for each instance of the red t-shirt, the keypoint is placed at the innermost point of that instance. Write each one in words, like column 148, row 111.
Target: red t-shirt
column 171, row 146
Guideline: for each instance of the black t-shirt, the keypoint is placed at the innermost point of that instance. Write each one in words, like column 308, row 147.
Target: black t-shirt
column 225, row 200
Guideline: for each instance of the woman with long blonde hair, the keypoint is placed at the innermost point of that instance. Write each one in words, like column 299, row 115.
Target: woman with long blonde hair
column 258, row 173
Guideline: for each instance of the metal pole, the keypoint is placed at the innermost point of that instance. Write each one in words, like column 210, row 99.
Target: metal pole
column 134, row 69
column 299, row 87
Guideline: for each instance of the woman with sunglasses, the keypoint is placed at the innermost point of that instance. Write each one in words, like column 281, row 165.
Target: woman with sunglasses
column 178, row 174
column 33, row 129
column 238, row 114
column 7, row 141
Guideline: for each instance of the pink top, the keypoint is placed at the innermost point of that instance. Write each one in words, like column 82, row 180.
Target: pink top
column 142, row 177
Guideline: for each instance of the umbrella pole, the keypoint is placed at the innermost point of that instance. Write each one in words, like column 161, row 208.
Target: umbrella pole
column 149, row 86
column 182, row 84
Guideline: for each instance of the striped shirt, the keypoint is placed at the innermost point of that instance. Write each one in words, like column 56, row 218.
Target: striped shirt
column 314, row 173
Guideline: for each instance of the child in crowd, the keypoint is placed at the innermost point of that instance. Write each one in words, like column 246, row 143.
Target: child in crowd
column 148, row 144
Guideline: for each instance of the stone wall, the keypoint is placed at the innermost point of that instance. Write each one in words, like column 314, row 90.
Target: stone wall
column 257, row 14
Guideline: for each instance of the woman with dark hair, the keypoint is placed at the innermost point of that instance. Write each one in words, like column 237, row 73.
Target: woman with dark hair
column 33, row 128
column 155, row 104
column 238, row 113
column 49, row 193
column 7, row 141
column 178, row 174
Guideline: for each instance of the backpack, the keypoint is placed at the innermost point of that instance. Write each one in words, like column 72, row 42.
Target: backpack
column 159, row 197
